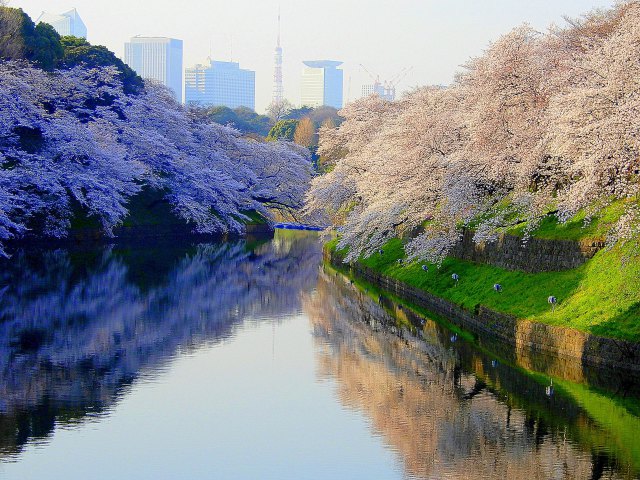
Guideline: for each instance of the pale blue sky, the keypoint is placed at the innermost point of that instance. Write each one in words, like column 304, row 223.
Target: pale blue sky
column 434, row 37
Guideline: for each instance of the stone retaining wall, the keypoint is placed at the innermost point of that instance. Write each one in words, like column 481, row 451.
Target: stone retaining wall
column 537, row 255
column 522, row 334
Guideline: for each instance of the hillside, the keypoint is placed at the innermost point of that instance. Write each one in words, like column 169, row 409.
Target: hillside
column 599, row 297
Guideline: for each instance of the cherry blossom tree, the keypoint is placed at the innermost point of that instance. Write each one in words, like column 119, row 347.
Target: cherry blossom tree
column 539, row 123
column 72, row 142
column 596, row 118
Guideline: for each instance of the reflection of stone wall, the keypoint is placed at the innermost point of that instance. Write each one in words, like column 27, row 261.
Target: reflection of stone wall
column 537, row 255
column 429, row 401
column 522, row 334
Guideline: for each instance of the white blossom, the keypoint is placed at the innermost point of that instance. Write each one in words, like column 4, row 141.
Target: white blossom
column 72, row 141
column 539, row 123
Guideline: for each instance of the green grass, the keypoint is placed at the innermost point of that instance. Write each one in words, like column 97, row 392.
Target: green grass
column 373, row 292
column 600, row 297
column 576, row 229
column 254, row 218
column 149, row 208
column 619, row 423
column 615, row 418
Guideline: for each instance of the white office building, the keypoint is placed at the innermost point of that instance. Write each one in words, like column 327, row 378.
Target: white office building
column 68, row 23
column 384, row 91
column 157, row 58
column 220, row 84
column 322, row 84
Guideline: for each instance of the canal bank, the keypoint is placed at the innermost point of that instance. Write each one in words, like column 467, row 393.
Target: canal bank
column 150, row 219
column 482, row 320
column 601, row 403
column 258, row 346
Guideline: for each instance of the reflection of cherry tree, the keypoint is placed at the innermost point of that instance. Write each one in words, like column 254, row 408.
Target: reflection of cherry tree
column 73, row 139
column 538, row 123
column 72, row 336
column 431, row 403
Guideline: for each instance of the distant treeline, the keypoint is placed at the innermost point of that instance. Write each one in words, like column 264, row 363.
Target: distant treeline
column 283, row 128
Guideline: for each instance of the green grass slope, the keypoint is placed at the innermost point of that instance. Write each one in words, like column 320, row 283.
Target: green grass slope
column 601, row 297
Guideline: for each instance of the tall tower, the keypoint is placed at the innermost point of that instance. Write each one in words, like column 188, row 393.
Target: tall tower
column 278, row 89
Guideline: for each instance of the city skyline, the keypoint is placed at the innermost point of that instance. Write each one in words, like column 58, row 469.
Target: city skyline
column 412, row 34
column 157, row 58
column 322, row 84
column 219, row 83
column 66, row 23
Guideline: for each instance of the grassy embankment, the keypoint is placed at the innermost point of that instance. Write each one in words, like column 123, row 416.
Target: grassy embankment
column 149, row 209
column 601, row 297
column 615, row 419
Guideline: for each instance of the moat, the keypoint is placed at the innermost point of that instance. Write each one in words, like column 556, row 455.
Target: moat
column 253, row 359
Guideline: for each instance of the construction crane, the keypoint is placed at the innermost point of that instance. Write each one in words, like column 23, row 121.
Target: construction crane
column 387, row 89
column 401, row 75
column 376, row 79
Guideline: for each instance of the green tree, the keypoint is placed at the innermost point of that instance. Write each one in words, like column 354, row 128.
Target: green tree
column 317, row 115
column 46, row 50
column 298, row 113
column 219, row 114
column 251, row 122
column 77, row 51
column 283, row 130
column 21, row 39
column 241, row 118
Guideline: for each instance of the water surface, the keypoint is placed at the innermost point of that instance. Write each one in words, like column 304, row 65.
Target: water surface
column 251, row 360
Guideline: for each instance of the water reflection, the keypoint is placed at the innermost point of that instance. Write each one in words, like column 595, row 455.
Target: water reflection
column 452, row 411
column 77, row 327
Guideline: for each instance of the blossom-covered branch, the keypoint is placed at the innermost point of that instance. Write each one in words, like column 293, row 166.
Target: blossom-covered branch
column 538, row 123
column 73, row 141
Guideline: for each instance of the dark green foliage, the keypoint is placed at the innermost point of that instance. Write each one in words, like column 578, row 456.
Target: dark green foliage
column 242, row 118
column 298, row 113
column 46, row 50
column 150, row 207
column 317, row 115
column 283, row 130
column 77, row 51
column 29, row 139
column 20, row 39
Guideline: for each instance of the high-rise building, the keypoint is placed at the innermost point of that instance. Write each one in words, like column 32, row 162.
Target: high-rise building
column 322, row 84
column 220, row 83
column 67, row 23
column 278, row 88
column 384, row 91
column 157, row 58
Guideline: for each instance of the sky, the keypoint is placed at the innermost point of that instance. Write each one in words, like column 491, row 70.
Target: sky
column 430, row 39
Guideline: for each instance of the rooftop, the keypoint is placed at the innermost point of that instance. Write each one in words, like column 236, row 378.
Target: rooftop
column 322, row 63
